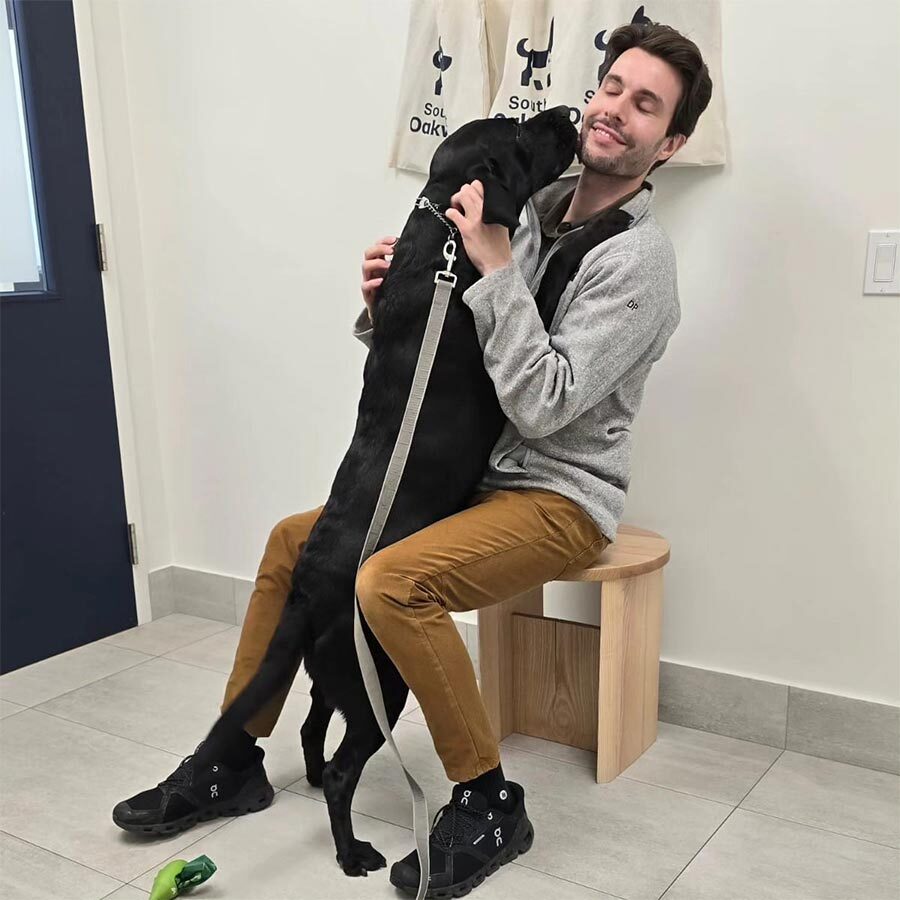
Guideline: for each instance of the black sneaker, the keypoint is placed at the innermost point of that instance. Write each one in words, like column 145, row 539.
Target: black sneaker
column 193, row 794
column 468, row 843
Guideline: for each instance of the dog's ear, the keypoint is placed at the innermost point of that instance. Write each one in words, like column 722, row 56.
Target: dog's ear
column 499, row 203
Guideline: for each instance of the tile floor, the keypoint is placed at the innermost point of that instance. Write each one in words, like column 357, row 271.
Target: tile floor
column 698, row 816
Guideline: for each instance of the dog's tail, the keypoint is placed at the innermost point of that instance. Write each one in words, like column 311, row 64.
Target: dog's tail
column 284, row 652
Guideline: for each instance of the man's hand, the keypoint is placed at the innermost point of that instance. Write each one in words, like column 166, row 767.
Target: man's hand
column 487, row 246
column 375, row 262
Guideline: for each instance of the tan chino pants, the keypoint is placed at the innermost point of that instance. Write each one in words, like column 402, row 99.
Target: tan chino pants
column 503, row 543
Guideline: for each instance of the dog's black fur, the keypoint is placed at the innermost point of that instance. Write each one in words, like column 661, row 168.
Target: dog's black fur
column 458, row 425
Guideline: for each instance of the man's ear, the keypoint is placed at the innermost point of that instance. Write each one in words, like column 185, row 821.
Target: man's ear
column 499, row 204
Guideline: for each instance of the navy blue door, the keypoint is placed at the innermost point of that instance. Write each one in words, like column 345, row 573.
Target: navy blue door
column 66, row 576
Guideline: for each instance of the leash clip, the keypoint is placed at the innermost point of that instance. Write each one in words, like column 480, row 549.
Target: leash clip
column 450, row 256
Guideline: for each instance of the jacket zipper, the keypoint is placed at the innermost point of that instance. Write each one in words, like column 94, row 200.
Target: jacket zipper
column 540, row 270
column 535, row 280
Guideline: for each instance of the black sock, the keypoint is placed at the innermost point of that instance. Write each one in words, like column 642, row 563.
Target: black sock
column 493, row 785
column 239, row 753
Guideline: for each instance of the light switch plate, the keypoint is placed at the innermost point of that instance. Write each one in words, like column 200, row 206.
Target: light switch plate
column 883, row 263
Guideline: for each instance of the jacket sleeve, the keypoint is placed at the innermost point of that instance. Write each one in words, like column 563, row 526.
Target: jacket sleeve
column 362, row 327
column 543, row 382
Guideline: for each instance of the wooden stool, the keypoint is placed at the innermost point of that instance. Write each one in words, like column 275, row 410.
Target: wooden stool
column 589, row 687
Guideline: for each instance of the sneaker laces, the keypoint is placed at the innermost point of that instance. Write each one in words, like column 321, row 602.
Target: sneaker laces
column 456, row 823
column 183, row 775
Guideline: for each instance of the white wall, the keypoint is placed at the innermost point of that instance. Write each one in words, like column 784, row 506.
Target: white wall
column 768, row 444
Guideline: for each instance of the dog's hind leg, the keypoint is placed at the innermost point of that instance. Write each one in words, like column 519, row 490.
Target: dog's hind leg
column 312, row 736
column 341, row 776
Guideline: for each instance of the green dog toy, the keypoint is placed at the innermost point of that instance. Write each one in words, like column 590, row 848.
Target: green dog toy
column 179, row 876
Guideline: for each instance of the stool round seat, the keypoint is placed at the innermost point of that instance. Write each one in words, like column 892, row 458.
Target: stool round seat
column 635, row 551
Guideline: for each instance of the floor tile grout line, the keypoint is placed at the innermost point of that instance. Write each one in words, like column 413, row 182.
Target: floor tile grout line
column 354, row 811
column 119, row 672
column 106, row 641
column 719, row 826
column 108, row 638
column 218, row 671
column 56, row 853
column 676, row 791
column 132, row 741
column 95, row 681
column 120, row 737
column 758, row 780
column 731, row 737
column 119, row 888
column 787, row 717
column 842, row 762
column 581, row 884
column 843, row 834
column 697, row 853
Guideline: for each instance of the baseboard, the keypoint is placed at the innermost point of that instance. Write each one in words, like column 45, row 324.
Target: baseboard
column 778, row 715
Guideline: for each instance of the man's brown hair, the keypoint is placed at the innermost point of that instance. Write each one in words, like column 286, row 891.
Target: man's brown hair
column 679, row 52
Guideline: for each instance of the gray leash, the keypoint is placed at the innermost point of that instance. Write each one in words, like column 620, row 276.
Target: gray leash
column 444, row 282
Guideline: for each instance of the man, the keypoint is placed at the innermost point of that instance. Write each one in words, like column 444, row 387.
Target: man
column 556, row 480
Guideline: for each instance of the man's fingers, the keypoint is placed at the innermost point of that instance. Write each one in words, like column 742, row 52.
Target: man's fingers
column 472, row 188
column 469, row 201
column 373, row 265
column 379, row 249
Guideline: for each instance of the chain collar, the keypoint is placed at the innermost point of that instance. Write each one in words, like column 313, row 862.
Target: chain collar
column 422, row 202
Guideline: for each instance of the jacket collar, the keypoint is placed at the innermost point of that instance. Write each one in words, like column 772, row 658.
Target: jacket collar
column 544, row 199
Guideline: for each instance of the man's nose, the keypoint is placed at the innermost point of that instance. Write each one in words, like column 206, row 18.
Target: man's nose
column 612, row 108
column 607, row 110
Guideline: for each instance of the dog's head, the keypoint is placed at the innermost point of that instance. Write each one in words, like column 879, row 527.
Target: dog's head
column 512, row 160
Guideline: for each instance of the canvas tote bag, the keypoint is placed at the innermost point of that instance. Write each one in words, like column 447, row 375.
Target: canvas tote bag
column 445, row 80
column 549, row 52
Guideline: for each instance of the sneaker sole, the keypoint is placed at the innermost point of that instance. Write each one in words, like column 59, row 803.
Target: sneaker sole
column 521, row 843
column 250, row 800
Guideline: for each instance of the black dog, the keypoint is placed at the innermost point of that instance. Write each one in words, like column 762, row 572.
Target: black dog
column 458, row 425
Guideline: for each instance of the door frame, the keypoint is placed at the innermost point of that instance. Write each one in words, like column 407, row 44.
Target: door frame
column 112, row 297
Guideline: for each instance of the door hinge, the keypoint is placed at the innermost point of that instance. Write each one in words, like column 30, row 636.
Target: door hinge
column 132, row 543
column 102, row 261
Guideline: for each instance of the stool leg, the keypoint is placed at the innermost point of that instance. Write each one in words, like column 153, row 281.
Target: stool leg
column 495, row 655
column 630, row 628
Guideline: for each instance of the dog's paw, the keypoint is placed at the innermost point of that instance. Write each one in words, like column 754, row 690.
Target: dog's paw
column 361, row 859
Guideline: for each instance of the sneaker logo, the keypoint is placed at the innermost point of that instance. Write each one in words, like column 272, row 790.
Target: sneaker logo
column 497, row 835
column 214, row 790
column 503, row 794
column 465, row 798
column 480, row 836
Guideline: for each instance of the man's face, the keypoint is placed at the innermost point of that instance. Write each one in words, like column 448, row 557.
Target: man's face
column 625, row 104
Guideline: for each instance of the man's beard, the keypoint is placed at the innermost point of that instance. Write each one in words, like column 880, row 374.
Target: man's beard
column 630, row 162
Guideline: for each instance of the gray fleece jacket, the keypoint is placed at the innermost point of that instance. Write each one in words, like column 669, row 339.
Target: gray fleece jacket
column 570, row 394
